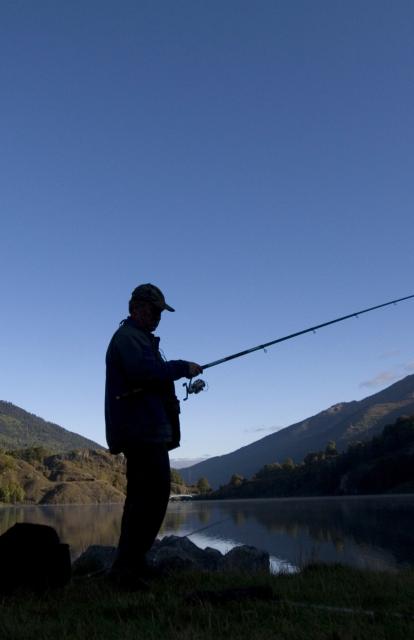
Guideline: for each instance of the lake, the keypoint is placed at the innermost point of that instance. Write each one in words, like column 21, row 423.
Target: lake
column 363, row 531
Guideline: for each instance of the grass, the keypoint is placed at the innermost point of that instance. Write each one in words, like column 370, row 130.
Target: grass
column 92, row 609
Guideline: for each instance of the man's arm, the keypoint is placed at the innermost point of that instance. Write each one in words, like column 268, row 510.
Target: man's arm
column 142, row 368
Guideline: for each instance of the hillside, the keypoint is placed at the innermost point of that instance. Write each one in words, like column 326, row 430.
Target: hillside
column 82, row 477
column 384, row 464
column 343, row 423
column 20, row 429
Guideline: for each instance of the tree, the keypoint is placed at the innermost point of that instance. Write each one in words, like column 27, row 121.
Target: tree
column 176, row 478
column 12, row 492
column 203, row 485
column 236, row 480
column 288, row 464
column 312, row 458
column 267, row 470
column 331, row 449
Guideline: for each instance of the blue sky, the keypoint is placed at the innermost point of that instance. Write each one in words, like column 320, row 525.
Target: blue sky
column 254, row 160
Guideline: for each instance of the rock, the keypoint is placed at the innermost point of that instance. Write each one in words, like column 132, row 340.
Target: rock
column 214, row 558
column 96, row 558
column 175, row 553
column 32, row 557
column 179, row 553
column 246, row 559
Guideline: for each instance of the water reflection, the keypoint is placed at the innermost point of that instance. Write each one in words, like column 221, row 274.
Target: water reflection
column 77, row 525
column 377, row 532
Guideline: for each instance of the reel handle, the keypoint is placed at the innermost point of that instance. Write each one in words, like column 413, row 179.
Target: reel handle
column 193, row 387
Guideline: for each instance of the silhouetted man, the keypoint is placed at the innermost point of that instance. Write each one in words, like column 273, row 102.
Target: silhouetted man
column 142, row 421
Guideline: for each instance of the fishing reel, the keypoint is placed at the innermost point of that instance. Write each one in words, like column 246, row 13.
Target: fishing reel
column 194, row 387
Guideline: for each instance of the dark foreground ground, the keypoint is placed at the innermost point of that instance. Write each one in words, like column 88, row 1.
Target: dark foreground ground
column 335, row 603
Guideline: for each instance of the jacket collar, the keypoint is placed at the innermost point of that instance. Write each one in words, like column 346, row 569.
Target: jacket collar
column 131, row 322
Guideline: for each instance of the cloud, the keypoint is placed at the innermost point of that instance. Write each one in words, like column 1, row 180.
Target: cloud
column 180, row 463
column 380, row 379
column 386, row 377
column 262, row 429
column 390, row 354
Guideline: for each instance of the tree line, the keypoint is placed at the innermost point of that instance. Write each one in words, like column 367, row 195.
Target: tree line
column 380, row 465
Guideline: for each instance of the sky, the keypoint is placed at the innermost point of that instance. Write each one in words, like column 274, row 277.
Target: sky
column 252, row 159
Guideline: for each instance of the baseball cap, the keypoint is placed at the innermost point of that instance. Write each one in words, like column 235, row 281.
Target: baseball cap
column 151, row 293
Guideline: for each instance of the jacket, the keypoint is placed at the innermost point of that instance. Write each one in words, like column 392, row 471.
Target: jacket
column 140, row 401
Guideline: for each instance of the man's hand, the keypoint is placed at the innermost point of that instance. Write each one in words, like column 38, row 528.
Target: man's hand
column 194, row 369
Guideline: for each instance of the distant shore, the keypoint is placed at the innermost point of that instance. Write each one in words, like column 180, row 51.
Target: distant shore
column 227, row 500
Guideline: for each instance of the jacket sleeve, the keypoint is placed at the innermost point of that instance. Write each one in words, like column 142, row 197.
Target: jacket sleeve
column 140, row 364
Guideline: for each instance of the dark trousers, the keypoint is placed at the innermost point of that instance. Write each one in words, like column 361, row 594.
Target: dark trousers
column 148, row 491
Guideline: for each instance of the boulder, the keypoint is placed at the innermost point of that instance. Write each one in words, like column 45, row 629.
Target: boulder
column 96, row 558
column 175, row 552
column 246, row 559
column 32, row 557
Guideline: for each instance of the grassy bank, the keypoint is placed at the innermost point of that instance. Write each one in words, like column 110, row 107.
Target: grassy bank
column 332, row 603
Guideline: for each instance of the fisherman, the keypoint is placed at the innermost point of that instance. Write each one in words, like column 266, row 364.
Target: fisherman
column 142, row 422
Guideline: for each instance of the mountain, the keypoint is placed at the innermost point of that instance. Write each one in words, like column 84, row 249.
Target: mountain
column 383, row 464
column 20, row 429
column 344, row 423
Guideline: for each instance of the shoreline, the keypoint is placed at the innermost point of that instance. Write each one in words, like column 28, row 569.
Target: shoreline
column 364, row 496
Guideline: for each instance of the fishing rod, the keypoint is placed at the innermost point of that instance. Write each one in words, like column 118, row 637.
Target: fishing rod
column 198, row 385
